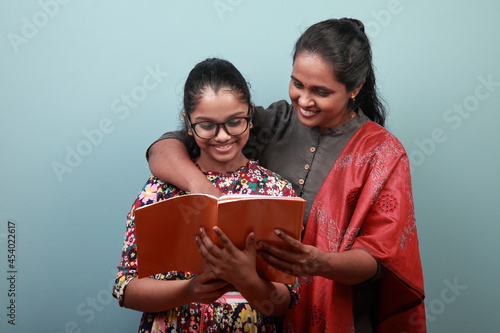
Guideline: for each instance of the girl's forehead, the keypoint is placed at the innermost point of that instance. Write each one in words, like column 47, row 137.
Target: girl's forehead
column 221, row 97
column 220, row 105
column 222, row 93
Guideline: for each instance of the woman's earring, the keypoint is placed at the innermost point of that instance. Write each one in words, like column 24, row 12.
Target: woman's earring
column 251, row 124
column 353, row 97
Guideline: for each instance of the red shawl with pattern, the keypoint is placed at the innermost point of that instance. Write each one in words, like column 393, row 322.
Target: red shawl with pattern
column 365, row 202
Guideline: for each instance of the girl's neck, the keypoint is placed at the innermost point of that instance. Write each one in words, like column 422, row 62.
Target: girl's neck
column 207, row 165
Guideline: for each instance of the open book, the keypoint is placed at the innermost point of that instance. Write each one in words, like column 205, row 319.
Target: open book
column 165, row 230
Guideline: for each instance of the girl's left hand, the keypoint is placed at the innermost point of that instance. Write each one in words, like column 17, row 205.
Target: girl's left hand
column 229, row 263
column 299, row 260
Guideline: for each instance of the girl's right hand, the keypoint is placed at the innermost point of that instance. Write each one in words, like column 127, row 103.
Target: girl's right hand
column 207, row 288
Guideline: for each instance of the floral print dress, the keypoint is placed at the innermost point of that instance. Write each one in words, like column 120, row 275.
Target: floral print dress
column 229, row 313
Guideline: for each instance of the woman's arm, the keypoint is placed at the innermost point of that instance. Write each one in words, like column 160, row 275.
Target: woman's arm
column 349, row 267
column 169, row 161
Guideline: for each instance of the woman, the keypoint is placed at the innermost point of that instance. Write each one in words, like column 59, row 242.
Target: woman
column 358, row 263
column 217, row 117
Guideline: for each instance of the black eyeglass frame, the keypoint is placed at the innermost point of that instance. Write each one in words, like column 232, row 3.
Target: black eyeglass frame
column 247, row 118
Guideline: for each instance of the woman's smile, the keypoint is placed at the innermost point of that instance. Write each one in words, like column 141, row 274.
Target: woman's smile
column 307, row 113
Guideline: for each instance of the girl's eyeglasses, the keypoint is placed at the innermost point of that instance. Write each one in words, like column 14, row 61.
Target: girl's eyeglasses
column 209, row 129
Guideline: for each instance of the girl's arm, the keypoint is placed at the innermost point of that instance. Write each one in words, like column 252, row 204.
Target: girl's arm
column 151, row 295
column 169, row 161
column 350, row 267
column 239, row 268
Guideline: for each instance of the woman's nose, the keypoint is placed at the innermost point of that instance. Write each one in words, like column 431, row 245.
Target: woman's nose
column 305, row 100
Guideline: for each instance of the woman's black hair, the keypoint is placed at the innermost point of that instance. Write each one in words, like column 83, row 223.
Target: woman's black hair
column 211, row 74
column 343, row 44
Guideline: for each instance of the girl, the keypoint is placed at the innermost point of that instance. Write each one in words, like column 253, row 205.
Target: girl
column 217, row 116
column 358, row 264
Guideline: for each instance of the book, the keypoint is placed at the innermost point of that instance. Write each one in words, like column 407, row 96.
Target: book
column 166, row 230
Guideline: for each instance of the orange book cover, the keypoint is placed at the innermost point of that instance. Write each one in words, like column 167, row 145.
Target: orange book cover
column 165, row 230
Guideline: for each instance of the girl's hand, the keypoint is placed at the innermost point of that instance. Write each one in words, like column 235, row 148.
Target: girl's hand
column 229, row 263
column 299, row 260
column 207, row 288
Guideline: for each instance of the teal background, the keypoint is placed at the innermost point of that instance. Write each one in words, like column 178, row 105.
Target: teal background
column 67, row 67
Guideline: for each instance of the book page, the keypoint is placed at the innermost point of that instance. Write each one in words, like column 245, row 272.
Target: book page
column 262, row 215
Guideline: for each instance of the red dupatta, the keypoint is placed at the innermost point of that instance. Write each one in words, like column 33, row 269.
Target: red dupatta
column 365, row 202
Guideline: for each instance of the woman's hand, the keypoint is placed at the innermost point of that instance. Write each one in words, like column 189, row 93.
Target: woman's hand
column 229, row 263
column 298, row 260
column 207, row 288
column 348, row 267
